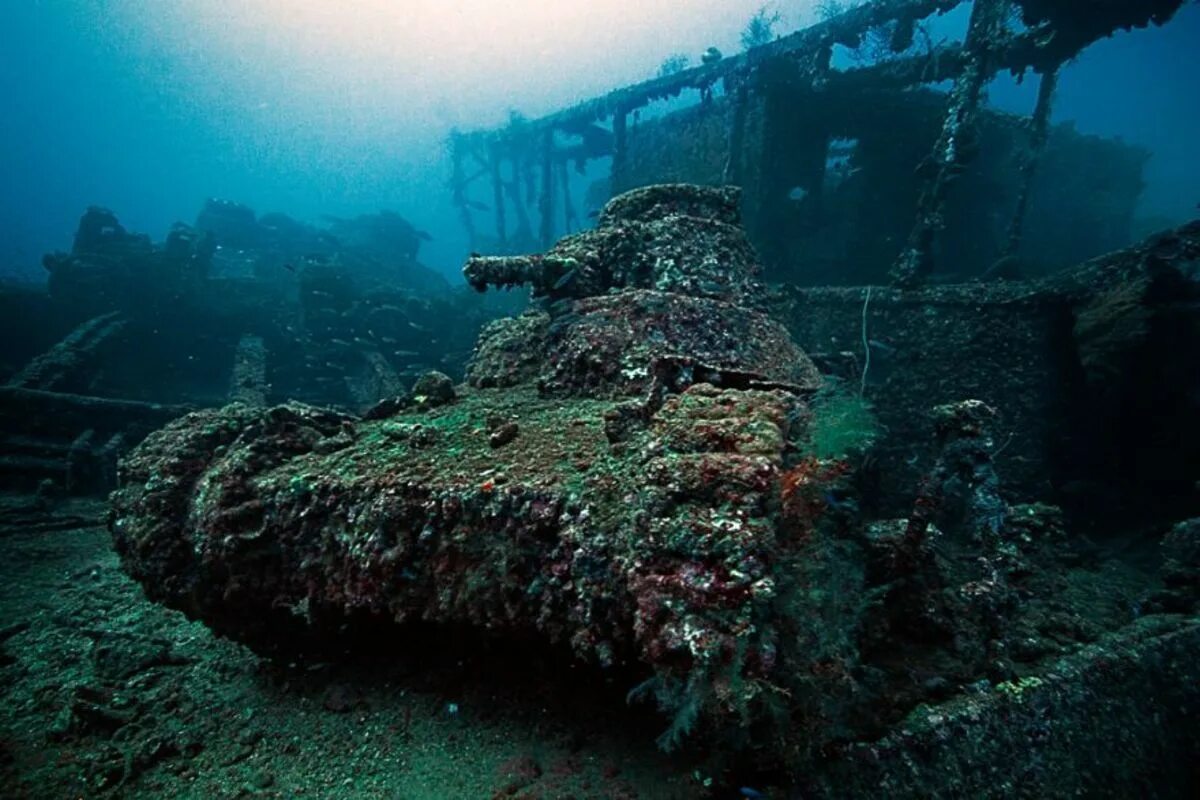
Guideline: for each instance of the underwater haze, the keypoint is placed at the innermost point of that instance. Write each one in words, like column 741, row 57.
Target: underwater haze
column 611, row 400
column 306, row 107
column 317, row 107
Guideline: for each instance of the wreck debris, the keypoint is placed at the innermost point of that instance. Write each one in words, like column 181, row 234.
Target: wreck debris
column 786, row 90
column 961, row 494
column 72, row 440
column 69, row 364
column 1079, row 351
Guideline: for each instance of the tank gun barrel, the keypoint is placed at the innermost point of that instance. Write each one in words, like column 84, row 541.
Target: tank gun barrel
column 508, row 271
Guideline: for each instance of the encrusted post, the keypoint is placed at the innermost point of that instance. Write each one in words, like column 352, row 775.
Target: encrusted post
column 459, row 184
column 248, row 379
column 514, row 194
column 737, row 134
column 547, row 199
column 1039, row 133
column 956, row 145
column 620, row 140
column 497, row 192
column 570, row 221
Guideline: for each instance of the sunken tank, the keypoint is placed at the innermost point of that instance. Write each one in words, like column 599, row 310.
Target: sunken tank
column 611, row 477
column 641, row 471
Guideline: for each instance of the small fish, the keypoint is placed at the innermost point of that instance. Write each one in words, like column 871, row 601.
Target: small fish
column 881, row 346
column 478, row 206
column 566, row 280
column 751, row 792
column 797, row 194
column 711, row 56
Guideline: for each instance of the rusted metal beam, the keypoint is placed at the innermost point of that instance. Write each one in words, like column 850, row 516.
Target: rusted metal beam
column 846, row 29
column 1039, row 133
column 955, row 145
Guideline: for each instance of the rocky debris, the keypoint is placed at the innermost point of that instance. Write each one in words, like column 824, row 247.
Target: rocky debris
column 117, row 657
column 503, row 433
column 433, row 389
column 388, row 407
column 6, row 633
column 516, row 774
column 339, row 698
column 1180, row 570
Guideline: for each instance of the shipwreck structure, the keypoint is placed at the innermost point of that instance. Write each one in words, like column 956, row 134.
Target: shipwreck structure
column 863, row 147
column 130, row 333
column 647, row 470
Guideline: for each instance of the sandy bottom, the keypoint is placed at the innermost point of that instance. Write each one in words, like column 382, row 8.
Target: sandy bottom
column 107, row 694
